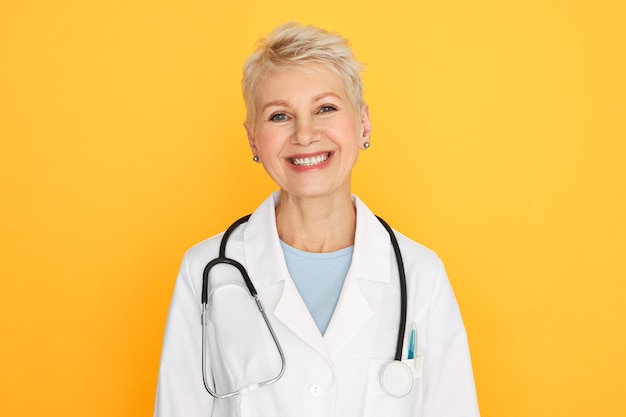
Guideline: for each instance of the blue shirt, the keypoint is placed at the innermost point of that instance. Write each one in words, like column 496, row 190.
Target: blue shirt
column 319, row 278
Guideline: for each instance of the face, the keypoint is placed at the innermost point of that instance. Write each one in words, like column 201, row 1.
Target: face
column 306, row 131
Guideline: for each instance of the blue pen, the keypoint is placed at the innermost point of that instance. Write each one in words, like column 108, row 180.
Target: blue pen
column 412, row 343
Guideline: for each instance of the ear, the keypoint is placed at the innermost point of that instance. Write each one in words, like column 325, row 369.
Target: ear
column 251, row 140
column 365, row 124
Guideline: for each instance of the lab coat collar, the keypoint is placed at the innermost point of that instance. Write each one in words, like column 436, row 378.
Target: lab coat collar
column 370, row 259
column 262, row 245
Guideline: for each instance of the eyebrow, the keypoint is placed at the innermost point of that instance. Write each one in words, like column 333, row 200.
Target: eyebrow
column 324, row 95
column 284, row 103
column 274, row 103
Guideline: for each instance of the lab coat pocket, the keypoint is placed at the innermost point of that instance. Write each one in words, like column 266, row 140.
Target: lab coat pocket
column 379, row 403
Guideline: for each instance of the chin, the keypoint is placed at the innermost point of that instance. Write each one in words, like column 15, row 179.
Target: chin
column 316, row 191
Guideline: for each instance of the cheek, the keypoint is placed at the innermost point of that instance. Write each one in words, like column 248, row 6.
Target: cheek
column 266, row 139
column 349, row 133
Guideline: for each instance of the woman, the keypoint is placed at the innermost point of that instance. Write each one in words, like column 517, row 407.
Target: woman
column 323, row 265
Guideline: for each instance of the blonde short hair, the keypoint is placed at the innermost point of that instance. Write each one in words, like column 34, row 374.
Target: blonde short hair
column 291, row 45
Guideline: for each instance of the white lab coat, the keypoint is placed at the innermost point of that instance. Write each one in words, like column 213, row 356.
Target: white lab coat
column 337, row 374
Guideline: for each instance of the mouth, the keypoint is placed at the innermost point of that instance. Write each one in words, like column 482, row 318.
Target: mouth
column 310, row 161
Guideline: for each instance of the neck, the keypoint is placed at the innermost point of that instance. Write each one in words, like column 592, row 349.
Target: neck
column 319, row 224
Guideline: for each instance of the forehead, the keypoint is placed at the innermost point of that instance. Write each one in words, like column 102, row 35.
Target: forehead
column 298, row 83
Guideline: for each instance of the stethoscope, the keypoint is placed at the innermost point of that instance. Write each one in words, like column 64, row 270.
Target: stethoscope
column 396, row 377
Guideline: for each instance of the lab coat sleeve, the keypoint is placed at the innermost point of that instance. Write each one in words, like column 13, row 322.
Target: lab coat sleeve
column 449, row 390
column 180, row 391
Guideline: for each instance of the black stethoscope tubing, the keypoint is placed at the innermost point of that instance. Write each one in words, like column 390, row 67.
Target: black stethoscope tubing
column 222, row 259
column 403, row 295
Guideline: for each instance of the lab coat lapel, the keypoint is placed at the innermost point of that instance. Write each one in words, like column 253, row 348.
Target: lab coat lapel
column 371, row 262
column 294, row 314
column 352, row 312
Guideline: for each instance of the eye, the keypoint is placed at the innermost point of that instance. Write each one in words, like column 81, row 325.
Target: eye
column 327, row 109
column 278, row 117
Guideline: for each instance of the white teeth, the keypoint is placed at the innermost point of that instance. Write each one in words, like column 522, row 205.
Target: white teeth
column 307, row 162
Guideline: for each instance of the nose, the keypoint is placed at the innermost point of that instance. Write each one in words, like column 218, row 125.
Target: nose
column 304, row 132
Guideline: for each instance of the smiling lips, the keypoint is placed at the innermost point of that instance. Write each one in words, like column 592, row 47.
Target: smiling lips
column 310, row 160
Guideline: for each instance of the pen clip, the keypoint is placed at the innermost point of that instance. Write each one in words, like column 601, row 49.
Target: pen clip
column 412, row 342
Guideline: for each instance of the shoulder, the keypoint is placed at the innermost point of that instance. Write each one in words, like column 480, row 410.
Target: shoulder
column 415, row 252
column 423, row 267
column 259, row 224
column 197, row 257
column 206, row 248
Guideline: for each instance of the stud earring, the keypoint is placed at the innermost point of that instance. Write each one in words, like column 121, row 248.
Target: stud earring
column 366, row 145
column 255, row 158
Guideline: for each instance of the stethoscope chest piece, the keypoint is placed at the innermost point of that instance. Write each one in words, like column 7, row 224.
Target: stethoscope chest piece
column 397, row 379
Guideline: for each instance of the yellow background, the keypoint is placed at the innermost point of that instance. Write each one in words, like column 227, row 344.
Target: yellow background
column 499, row 141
